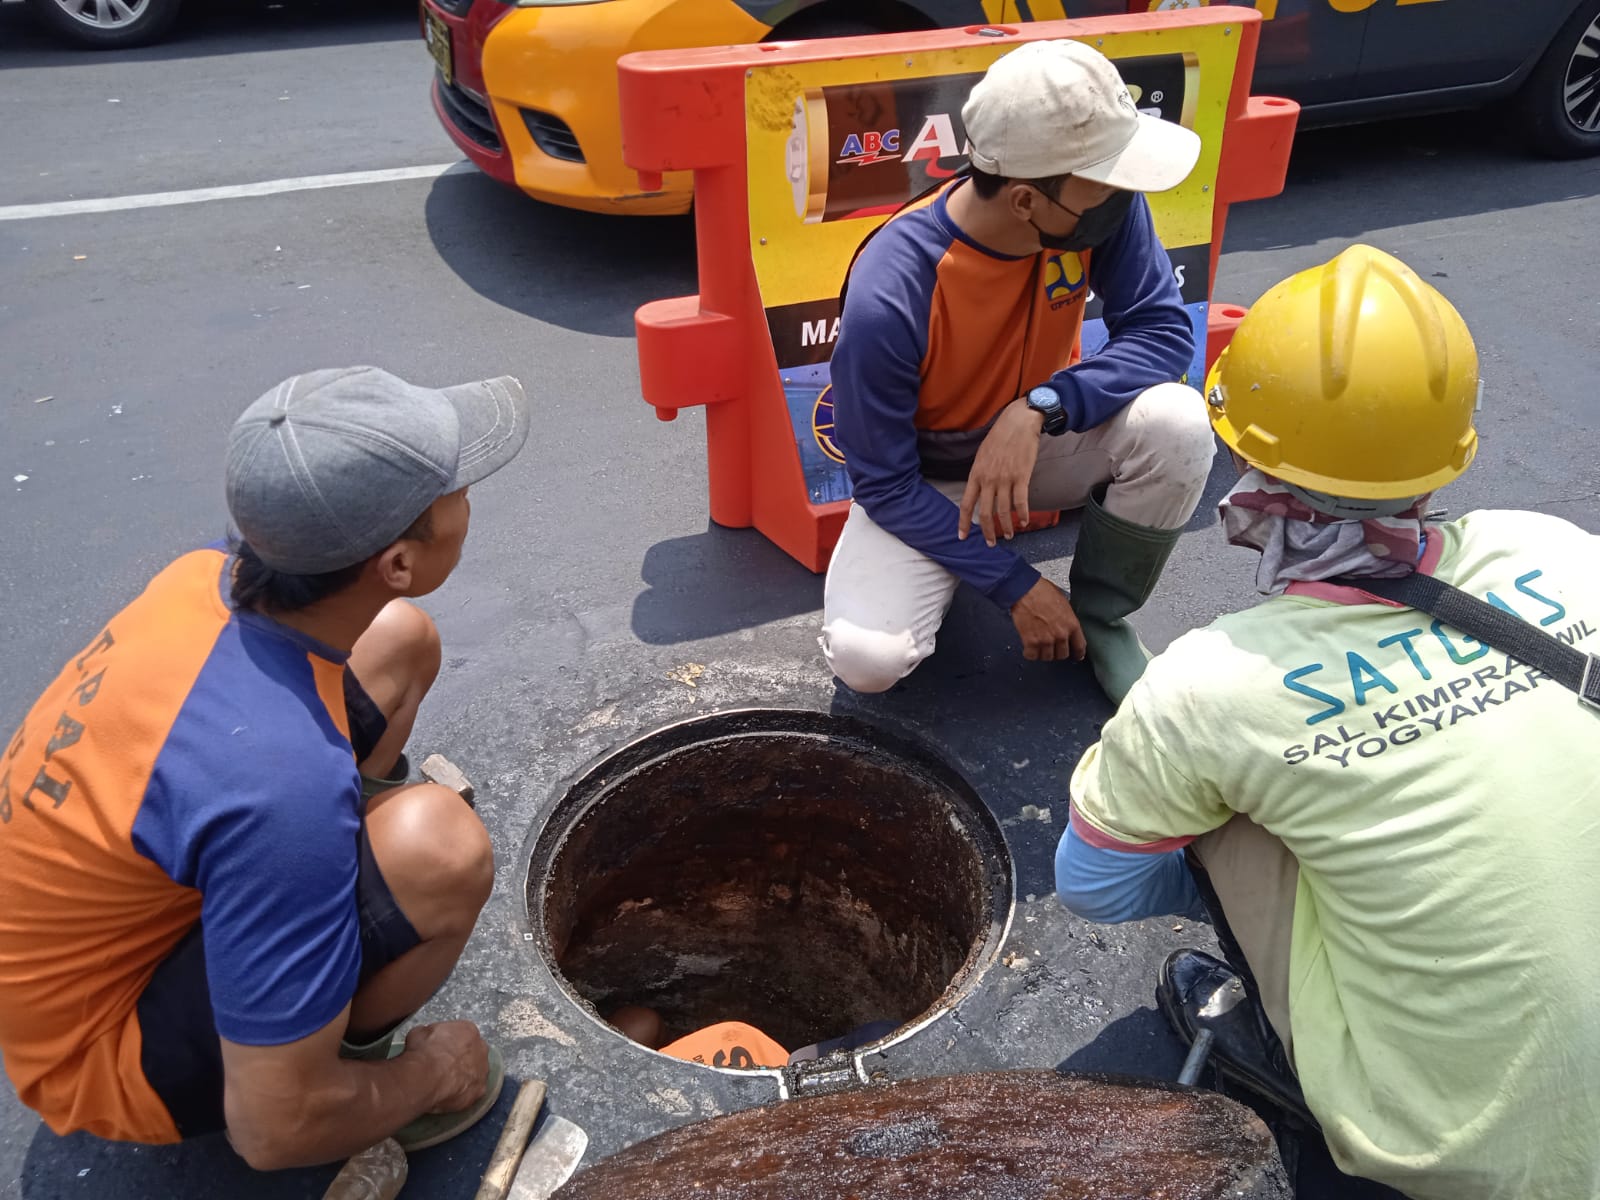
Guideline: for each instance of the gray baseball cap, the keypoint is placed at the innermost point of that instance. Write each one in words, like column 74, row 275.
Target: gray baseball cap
column 329, row 467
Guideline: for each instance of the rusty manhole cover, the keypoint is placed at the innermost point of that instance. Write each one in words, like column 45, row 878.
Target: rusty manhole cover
column 1016, row 1135
column 800, row 872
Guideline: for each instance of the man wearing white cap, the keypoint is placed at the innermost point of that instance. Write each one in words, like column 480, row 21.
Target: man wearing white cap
column 961, row 396
column 222, row 893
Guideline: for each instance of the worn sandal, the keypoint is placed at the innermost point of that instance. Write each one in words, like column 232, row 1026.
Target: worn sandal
column 432, row 1128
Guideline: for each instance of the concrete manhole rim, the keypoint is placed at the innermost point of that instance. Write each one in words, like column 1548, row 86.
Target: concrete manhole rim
column 579, row 792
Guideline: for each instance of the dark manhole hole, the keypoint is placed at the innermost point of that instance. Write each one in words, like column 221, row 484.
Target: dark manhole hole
column 804, row 873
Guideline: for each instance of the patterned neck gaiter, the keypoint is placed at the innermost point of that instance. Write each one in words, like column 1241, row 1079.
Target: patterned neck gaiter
column 1299, row 544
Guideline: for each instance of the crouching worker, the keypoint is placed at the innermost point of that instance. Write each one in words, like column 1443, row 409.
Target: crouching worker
column 222, row 894
column 961, row 395
column 1393, row 825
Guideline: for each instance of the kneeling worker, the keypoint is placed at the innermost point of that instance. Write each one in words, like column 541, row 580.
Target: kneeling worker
column 959, row 396
column 1395, row 827
column 221, row 893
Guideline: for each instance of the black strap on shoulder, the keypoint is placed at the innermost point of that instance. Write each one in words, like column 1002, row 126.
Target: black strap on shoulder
column 1528, row 644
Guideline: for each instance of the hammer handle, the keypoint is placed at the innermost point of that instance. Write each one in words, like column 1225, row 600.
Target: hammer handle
column 513, row 1141
column 377, row 1173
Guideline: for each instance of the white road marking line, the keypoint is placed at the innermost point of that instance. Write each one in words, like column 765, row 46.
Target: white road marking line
column 238, row 191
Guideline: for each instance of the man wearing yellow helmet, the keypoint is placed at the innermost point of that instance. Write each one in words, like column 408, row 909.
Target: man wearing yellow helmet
column 1395, row 827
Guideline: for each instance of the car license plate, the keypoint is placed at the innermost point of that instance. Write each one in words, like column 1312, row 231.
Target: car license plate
column 437, row 35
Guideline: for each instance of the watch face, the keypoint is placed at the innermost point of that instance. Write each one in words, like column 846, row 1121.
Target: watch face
column 1045, row 401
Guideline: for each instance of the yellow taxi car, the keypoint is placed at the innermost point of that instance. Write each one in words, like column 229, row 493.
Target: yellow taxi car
column 528, row 88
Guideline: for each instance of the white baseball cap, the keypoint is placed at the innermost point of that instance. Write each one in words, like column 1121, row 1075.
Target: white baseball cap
column 1060, row 108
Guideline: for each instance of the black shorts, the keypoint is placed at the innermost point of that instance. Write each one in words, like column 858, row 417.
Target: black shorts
column 182, row 1054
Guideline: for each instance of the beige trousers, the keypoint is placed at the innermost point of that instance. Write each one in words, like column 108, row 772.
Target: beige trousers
column 884, row 602
column 1255, row 877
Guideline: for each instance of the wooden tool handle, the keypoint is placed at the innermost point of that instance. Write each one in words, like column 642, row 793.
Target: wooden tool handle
column 513, row 1141
column 377, row 1173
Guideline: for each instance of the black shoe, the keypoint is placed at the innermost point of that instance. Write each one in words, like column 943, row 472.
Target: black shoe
column 1197, row 992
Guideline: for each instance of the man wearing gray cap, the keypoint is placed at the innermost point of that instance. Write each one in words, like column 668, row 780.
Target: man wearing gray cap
column 960, row 397
column 223, row 896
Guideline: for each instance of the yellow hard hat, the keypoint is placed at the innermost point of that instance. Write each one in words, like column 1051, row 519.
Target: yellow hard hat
column 1353, row 379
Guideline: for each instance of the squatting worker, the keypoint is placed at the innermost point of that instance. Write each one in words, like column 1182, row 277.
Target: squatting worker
column 960, row 396
column 1396, row 827
column 221, row 893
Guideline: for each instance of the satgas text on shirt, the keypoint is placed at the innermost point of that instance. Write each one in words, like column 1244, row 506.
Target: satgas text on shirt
column 1399, row 697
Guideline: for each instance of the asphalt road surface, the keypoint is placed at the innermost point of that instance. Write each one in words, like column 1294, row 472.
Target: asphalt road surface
column 130, row 340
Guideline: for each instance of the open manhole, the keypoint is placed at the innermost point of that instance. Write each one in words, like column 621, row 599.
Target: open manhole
column 800, row 872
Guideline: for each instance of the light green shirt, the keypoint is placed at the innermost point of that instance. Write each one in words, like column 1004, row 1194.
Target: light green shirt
column 1443, row 803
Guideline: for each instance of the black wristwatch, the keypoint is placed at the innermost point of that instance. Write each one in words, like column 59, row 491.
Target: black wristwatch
column 1045, row 401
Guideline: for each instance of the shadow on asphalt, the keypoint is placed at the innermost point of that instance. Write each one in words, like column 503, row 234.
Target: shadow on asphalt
column 208, row 28
column 525, row 255
column 81, row 1167
column 1404, row 172
column 716, row 582
column 719, row 581
column 1142, row 1036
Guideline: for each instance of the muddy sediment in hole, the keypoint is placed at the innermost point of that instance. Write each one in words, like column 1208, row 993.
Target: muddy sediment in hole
column 807, row 880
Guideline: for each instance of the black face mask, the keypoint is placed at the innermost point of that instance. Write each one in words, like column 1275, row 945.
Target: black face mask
column 1095, row 225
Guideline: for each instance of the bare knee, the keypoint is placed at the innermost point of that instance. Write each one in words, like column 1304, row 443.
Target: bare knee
column 416, row 639
column 407, row 641
column 869, row 660
column 435, row 856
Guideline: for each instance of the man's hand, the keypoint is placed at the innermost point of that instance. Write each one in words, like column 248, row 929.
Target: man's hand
column 998, row 484
column 458, row 1058
column 300, row 1104
column 1047, row 624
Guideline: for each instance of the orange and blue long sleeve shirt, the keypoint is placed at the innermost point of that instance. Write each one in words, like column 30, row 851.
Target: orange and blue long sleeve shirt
column 940, row 333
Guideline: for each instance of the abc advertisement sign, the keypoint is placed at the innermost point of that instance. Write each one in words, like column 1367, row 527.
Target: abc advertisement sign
column 836, row 147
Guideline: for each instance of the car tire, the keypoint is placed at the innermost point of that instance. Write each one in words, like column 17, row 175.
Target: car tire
column 107, row 24
column 1558, row 121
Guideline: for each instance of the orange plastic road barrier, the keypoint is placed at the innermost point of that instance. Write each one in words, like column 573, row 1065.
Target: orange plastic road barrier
column 778, row 135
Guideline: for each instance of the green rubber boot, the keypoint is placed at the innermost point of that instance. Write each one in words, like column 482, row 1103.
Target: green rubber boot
column 1114, row 570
